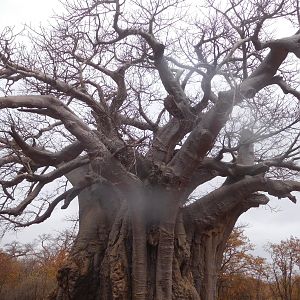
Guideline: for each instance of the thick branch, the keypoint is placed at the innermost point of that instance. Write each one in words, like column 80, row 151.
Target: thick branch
column 290, row 164
column 285, row 87
column 201, row 139
column 211, row 207
column 55, row 83
column 233, row 169
column 171, row 85
column 43, row 157
column 42, row 181
column 102, row 161
column 18, row 210
column 53, row 107
column 68, row 196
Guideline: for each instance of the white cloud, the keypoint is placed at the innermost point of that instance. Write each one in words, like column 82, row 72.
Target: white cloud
column 19, row 12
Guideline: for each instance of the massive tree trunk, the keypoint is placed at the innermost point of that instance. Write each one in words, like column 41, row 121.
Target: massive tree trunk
column 143, row 243
column 183, row 256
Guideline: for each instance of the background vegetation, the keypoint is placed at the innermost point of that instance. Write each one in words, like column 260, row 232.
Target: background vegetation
column 28, row 271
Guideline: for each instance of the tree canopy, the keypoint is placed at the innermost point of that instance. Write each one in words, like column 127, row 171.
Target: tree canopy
column 143, row 102
column 152, row 81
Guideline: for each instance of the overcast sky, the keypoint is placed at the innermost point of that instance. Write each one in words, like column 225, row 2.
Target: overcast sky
column 17, row 12
column 264, row 225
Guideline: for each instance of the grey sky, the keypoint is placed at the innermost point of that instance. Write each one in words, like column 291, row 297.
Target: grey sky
column 33, row 12
column 265, row 225
column 18, row 12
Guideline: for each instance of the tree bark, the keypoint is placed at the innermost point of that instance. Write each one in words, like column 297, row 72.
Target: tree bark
column 80, row 277
column 182, row 258
column 142, row 243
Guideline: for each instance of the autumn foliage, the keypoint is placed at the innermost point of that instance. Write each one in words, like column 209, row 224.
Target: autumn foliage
column 28, row 272
column 244, row 276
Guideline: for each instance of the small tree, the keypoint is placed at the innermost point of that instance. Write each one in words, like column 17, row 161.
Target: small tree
column 285, row 268
column 10, row 270
column 28, row 271
column 241, row 272
column 137, row 104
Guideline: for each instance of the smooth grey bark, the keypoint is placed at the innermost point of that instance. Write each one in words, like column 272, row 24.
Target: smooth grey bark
column 184, row 245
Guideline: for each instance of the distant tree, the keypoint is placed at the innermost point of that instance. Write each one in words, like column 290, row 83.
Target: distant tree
column 285, row 268
column 28, row 271
column 241, row 272
column 138, row 104
column 10, row 270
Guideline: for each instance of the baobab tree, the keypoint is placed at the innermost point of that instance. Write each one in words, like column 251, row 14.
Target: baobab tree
column 133, row 106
